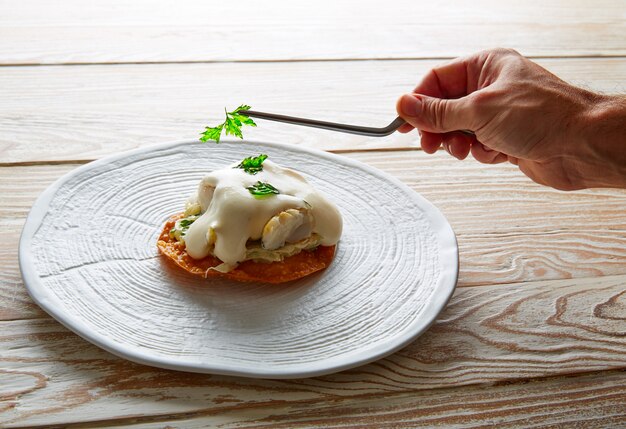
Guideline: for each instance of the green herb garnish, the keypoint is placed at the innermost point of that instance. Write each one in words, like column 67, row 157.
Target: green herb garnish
column 181, row 226
column 232, row 125
column 185, row 223
column 262, row 190
column 252, row 165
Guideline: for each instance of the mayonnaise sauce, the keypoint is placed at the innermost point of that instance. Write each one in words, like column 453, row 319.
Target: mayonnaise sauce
column 231, row 215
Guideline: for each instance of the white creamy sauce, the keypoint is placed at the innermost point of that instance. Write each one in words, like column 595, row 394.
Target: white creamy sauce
column 231, row 215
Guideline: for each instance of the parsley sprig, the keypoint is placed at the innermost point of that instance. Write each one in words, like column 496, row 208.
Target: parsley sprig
column 252, row 164
column 232, row 125
column 262, row 190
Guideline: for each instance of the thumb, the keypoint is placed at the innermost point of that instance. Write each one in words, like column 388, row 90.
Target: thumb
column 435, row 115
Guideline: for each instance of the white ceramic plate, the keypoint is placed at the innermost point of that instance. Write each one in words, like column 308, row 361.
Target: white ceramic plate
column 88, row 257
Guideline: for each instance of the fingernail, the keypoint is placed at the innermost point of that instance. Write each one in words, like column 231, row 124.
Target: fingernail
column 410, row 105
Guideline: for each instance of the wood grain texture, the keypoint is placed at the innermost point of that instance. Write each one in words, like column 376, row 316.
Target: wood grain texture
column 586, row 401
column 85, row 112
column 34, row 32
column 494, row 334
column 508, row 228
column 15, row 203
column 543, row 273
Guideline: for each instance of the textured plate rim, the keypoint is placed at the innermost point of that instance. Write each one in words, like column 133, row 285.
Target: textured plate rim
column 442, row 292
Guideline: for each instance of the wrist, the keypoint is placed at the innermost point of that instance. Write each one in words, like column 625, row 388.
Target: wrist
column 603, row 135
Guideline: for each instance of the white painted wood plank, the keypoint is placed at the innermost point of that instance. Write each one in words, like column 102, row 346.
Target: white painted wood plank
column 588, row 401
column 488, row 336
column 70, row 31
column 510, row 229
column 85, row 112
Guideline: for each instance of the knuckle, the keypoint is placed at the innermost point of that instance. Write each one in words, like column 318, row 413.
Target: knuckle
column 480, row 98
column 496, row 53
column 488, row 98
column 484, row 105
column 480, row 103
column 504, row 52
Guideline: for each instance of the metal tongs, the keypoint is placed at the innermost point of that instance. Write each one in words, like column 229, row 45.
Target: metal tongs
column 333, row 126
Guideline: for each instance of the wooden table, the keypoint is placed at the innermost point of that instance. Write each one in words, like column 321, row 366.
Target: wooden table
column 535, row 334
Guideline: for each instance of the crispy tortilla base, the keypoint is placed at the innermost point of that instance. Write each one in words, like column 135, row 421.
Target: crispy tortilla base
column 291, row 268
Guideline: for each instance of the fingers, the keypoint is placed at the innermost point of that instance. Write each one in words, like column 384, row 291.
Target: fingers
column 487, row 156
column 463, row 75
column 436, row 115
column 460, row 145
column 405, row 128
column 454, row 79
column 446, row 101
column 456, row 144
column 430, row 142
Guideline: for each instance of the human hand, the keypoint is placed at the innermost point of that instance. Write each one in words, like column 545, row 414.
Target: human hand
column 523, row 114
